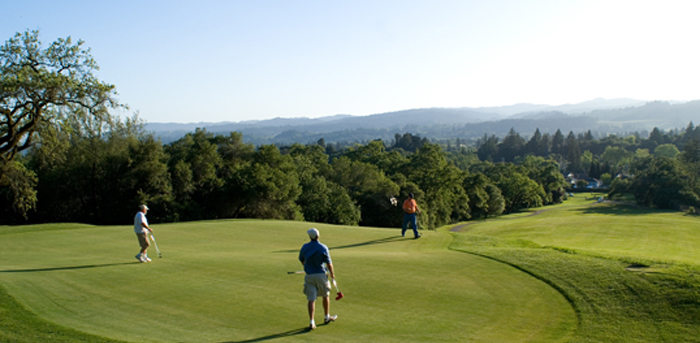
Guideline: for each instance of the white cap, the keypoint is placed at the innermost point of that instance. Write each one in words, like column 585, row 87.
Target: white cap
column 143, row 207
column 313, row 233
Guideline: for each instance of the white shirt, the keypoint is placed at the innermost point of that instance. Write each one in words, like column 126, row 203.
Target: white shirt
column 139, row 221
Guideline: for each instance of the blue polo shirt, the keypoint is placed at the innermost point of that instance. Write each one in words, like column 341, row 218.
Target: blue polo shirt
column 313, row 255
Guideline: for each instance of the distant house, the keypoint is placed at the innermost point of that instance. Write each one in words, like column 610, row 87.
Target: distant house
column 573, row 179
column 594, row 183
column 622, row 176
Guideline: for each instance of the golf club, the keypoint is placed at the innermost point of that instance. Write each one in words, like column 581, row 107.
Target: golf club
column 296, row 272
column 156, row 244
column 340, row 294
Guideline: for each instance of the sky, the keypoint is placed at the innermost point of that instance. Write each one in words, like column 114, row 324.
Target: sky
column 214, row 60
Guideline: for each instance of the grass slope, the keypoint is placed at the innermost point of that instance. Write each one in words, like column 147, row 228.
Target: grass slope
column 21, row 326
column 585, row 251
column 226, row 281
column 610, row 230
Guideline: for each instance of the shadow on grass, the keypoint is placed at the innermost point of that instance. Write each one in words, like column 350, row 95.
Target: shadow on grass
column 463, row 227
column 619, row 209
column 378, row 241
column 275, row 336
column 356, row 245
column 87, row 266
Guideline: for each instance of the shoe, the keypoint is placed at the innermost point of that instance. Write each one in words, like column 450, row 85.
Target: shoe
column 416, row 237
column 147, row 259
column 312, row 326
column 140, row 258
column 330, row 319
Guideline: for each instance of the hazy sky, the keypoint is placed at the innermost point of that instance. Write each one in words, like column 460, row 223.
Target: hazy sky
column 205, row 60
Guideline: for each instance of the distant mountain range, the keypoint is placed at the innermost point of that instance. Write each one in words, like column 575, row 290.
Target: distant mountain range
column 602, row 116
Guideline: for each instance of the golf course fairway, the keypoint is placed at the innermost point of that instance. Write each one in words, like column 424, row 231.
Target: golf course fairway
column 632, row 274
column 228, row 281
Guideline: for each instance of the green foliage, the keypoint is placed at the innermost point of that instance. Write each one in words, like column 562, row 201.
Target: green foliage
column 408, row 142
column 511, row 146
column 17, row 189
column 587, row 161
column 488, row 148
column 367, row 186
column 40, row 86
column 41, row 90
column 485, row 198
column 463, row 159
column 103, row 179
column 268, row 187
column 573, row 154
column 496, row 204
column 690, row 160
column 518, row 190
column 661, row 182
column 619, row 187
column 322, row 201
column 616, row 156
column 546, row 174
column 538, row 145
column 441, row 182
column 202, row 158
column 558, row 145
column 666, row 150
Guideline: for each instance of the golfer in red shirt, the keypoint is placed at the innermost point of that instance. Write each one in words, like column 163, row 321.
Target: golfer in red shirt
column 410, row 209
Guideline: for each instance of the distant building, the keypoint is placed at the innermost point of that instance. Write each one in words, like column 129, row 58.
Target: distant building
column 574, row 179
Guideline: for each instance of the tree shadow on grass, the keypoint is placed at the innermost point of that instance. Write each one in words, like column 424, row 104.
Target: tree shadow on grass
column 625, row 209
column 356, row 245
column 274, row 336
column 87, row 266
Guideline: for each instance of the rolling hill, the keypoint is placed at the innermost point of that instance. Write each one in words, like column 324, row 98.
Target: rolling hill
column 600, row 115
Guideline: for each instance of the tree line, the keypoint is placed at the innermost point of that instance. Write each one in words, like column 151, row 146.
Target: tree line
column 661, row 170
column 583, row 153
column 101, row 178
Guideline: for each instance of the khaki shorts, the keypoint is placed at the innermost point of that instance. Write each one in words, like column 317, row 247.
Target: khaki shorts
column 316, row 285
column 143, row 240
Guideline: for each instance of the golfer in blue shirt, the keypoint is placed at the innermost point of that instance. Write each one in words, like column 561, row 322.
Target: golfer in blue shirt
column 316, row 258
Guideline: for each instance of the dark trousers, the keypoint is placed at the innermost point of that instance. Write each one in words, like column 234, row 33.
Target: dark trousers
column 410, row 218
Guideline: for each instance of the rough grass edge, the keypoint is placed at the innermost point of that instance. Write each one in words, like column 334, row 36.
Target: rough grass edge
column 552, row 284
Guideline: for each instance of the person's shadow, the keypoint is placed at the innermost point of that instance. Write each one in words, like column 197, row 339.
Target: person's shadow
column 274, row 336
column 377, row 241
column 87, row 266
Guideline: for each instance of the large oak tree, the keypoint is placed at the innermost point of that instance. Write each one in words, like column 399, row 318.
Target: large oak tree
column 42, row 88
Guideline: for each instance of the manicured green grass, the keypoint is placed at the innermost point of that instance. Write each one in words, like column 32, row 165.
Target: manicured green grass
column 226, row 281
column 575, row 272
column 585, row 250
column 611, row 230
column 21, row 326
